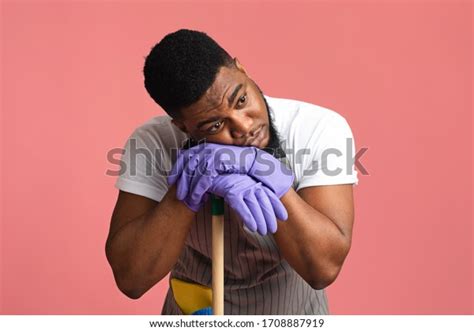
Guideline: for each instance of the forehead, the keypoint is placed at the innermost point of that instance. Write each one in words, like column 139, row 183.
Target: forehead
column 216, row 95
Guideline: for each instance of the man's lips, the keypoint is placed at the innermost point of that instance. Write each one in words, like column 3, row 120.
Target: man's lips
column 260, row 134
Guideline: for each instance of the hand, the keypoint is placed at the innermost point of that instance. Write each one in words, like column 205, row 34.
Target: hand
column 257, row 206
column 192, row 183
column 209, row 160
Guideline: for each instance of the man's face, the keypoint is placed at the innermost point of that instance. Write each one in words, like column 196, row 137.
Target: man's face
column 232, row 111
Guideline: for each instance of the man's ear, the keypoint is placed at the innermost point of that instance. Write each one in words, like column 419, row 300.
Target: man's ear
column 180, row 125
column 240, row 66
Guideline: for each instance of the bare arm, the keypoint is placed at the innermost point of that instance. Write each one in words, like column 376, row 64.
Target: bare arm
column 145, row 239
column 316, row 238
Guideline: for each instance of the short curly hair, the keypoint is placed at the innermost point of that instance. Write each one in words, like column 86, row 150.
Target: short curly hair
column 181, row 67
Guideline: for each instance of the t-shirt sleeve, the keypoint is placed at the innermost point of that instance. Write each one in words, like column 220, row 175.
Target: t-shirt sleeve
column 329, row 159
column 143, row 166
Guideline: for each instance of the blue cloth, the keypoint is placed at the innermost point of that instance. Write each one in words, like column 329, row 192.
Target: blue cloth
column 203, row 311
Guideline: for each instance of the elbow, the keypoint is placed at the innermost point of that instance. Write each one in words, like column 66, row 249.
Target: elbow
column 331, row 270
column 131, row 293
column 131, row 277
column 122, row 279
column 320, row 282
column 128, row 287
column 328, row 274
column 325, row 278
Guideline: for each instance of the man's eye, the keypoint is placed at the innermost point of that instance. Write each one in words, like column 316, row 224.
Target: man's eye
column 215, row 127
column 242, row 100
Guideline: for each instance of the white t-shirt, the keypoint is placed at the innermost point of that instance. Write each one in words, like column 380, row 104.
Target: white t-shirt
column 319, row 148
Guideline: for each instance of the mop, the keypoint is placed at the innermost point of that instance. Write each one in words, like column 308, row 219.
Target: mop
column 197, row 299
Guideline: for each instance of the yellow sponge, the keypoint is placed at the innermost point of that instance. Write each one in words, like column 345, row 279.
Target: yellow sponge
column 190, row 297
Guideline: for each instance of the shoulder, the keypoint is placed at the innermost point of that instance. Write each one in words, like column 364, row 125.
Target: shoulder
column 298, row 121
column 317, row 141
column 159, row 131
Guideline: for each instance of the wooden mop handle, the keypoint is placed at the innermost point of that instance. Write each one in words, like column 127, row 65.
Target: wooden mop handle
column 217, row 255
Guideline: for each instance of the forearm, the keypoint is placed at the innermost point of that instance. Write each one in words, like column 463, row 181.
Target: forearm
column 311, row 243
column 144, row 250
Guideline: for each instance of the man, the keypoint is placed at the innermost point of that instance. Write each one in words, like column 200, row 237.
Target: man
column 160, row 224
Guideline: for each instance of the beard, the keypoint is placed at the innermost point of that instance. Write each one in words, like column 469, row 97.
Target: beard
column 274, row 146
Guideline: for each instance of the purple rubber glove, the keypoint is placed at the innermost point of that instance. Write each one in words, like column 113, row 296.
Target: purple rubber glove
column 192, row 182
column 196, row 168
column 257, row 206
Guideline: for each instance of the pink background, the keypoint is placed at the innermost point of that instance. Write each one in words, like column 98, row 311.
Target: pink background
column 400, row 72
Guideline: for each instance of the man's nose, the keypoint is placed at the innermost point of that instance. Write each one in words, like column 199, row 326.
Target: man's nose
column 241, row 126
